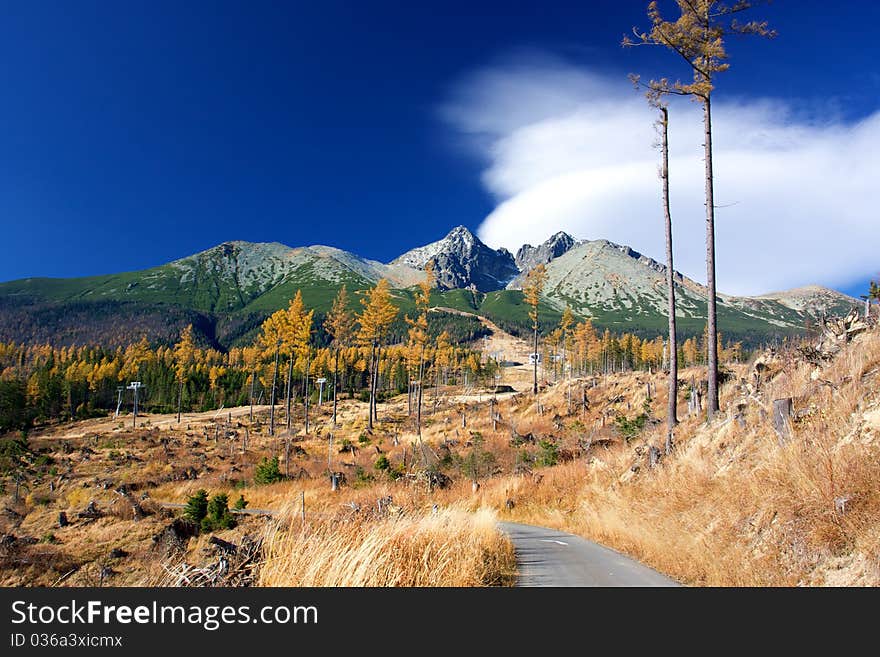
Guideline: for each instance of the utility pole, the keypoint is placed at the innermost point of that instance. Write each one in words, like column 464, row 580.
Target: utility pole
column 135, row 385
column 308, row 356
column 119, row 392
column 321, row 383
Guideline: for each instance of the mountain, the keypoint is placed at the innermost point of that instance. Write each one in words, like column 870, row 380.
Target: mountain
column 528, row 257
column 620, row 288
column 461, row 260
column 227, row 291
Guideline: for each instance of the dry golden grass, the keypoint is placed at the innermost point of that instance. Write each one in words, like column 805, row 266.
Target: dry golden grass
column 450, row 548
column 732, row 506
column 729, row 507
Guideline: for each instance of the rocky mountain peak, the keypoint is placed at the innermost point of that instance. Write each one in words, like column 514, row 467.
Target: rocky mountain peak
column 461, row 260
column 528, row 257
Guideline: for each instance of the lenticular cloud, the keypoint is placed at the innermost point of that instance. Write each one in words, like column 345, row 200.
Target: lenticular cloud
column 569, row 150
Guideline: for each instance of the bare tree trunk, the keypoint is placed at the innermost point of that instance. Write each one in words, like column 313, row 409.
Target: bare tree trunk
column 308, row 354
column 289, row 381
column 712, row 338
column 179, row 399
column 419, row 397
column 372, row 365
column 253, row 382
column 672, row 407
column 272, row 408
column 335, row 381
column 376, row 386
column 535, row 369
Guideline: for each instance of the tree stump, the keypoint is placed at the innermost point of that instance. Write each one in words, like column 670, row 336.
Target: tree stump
column 781, row 418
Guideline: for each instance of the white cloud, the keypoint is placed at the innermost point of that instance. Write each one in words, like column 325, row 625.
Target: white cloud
column 568, row 149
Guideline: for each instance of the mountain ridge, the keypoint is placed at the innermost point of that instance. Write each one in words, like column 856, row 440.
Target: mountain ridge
column 227, row 289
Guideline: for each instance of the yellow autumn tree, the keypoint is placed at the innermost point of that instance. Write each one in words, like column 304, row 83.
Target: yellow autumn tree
column 184, row 353
column 340, row 325
column 532, row 290
column 375, row 320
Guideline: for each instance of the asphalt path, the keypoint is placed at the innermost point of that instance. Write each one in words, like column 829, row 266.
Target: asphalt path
column 547, row 557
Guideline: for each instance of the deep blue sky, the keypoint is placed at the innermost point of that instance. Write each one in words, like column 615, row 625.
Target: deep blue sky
column 134, row 133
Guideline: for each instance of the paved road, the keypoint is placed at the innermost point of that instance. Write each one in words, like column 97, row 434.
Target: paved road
column 547, row 557
column 246, row 512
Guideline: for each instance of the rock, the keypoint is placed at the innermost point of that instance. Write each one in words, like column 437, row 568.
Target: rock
column 91, row 511
column 176, row 535
column 224, row 547
column 461, row 260
column 528, row 257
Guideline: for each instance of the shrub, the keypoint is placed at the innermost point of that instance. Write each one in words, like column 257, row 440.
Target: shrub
column 362, row 477
column 267, row 471
column 240, row 503
column 197, row 506
column 382, row 463
column 548, row 454
column 218, row 516
column 630, row 428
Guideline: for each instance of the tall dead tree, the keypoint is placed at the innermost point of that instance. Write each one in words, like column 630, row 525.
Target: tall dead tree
column 697, row 36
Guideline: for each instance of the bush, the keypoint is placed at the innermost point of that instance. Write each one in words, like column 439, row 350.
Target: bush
column 197, row 506
column 382, row 463
column 267, row 471
column 240, row 503
column 218, row 516
column 13, row 447
column 630, row 428
column 548, row 454
column 361, row 477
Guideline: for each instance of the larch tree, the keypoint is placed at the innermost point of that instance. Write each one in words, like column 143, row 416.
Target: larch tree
column 532, row 289
column 284, row 331
column 340, row 326
column 565, row 324
column 298, row 335
column 184, row 351
column 418, row 334
column 697, row 36
column 375, row 320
